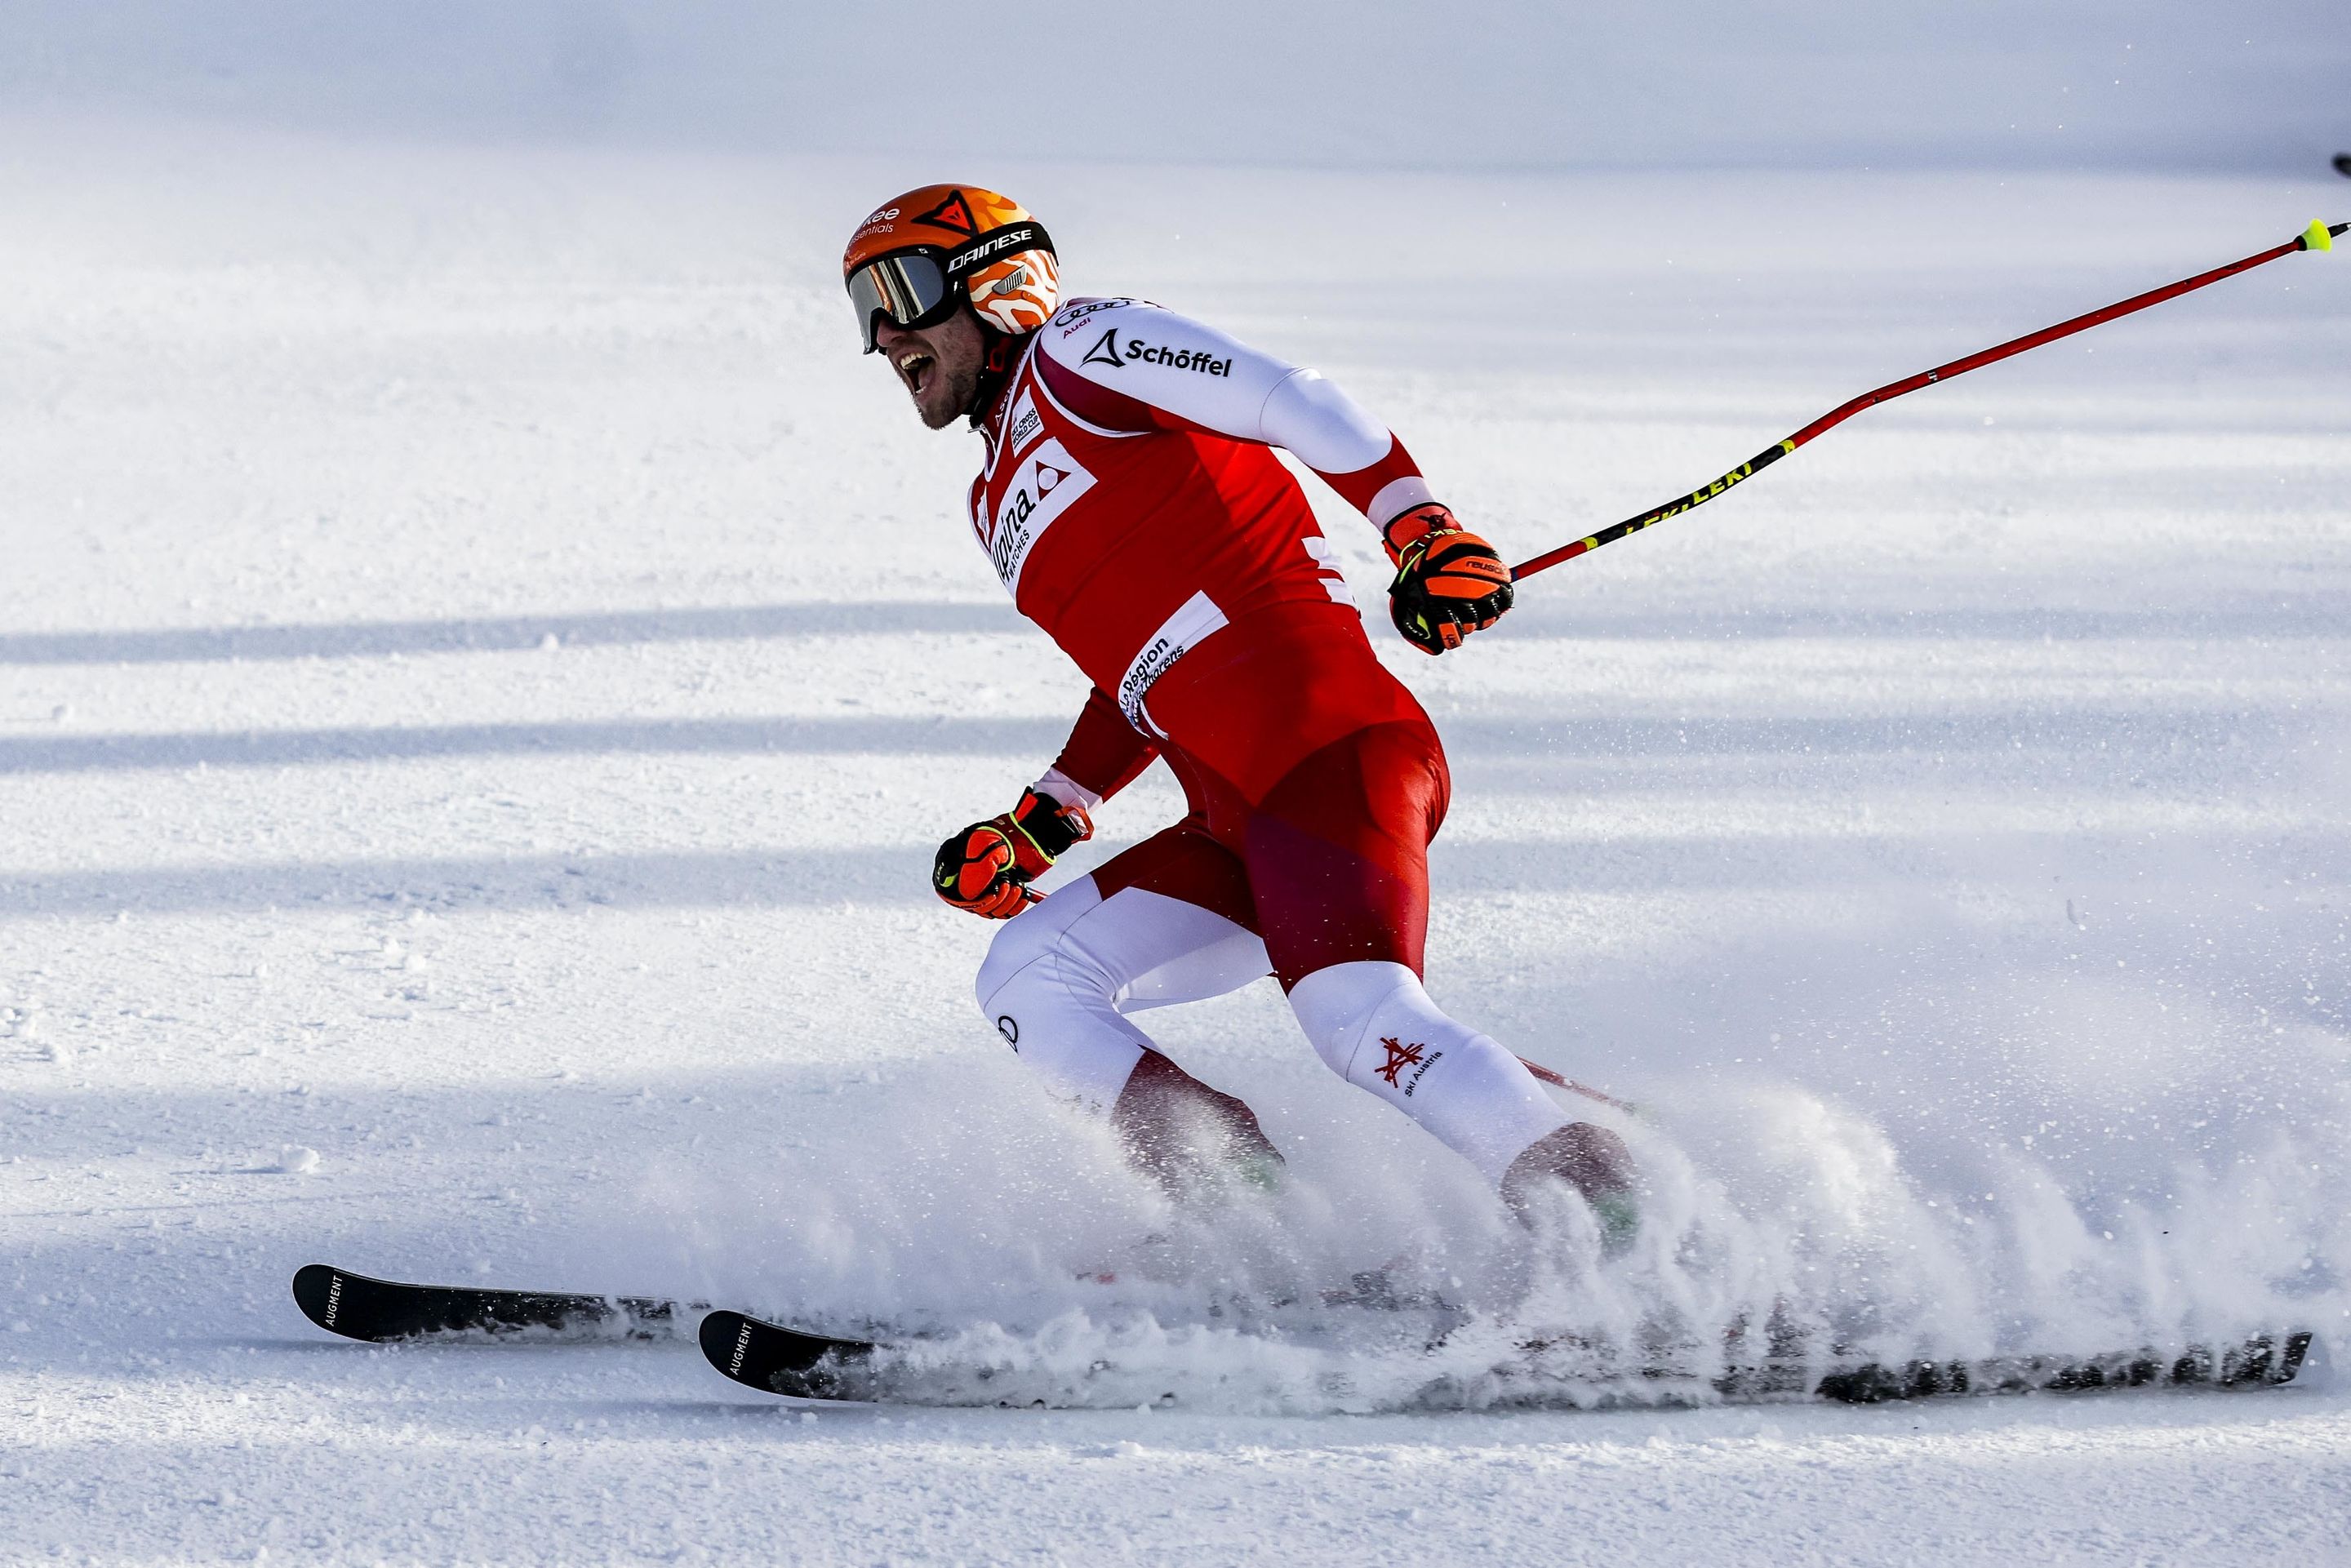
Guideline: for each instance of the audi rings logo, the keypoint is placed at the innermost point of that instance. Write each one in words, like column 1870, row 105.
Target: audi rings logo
column 1009, row 1028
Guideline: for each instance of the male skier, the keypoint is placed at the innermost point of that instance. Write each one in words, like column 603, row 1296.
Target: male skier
column 1130, row 503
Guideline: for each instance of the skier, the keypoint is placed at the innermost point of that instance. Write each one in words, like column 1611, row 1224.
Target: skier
column 1130, row 503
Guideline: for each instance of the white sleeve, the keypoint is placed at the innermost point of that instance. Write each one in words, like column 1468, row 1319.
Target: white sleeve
column 1329, row 431
column 1205, row 378
column 1058, row 786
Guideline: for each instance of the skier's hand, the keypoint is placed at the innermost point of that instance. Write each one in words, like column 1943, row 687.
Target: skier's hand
column 987, row 868
column 1449, row 583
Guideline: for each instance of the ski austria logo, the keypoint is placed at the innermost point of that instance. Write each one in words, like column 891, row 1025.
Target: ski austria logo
column 1044, row 488
column 1107, row 351
column 1403, row 1056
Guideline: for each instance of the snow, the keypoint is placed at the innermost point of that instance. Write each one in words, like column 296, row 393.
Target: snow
column 1364, row 84
column 483, row 665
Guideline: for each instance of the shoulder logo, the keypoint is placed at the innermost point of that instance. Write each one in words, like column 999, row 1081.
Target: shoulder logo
column 954, row 215
column 1108, row 351
column 1072, row 317
column 1104, row 351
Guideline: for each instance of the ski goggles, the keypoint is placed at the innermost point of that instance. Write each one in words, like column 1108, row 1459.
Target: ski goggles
column 922, row 287
column 912, row 289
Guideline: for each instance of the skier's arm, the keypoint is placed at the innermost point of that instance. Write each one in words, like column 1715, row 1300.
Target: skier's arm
column 986, row 869
column 1103, row 754
column 1123, row 365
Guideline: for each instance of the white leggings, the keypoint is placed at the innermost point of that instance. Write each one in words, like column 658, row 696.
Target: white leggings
column 1062, row 975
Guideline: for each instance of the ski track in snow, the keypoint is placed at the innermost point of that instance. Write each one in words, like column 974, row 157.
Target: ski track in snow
column 484, row 664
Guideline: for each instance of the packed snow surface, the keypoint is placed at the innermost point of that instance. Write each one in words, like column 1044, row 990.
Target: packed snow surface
column 483, row 665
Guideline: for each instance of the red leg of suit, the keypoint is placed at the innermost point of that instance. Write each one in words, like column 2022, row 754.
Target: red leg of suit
column 1334, row 859
column 1316, row 784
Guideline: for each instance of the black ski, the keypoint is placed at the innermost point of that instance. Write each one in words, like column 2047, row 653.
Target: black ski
column 2259, row 1362
column 382, row 1309
column 774, row 1359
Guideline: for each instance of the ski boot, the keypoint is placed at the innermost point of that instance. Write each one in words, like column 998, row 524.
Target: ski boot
column 1594, row 1161
column 1188, row 1137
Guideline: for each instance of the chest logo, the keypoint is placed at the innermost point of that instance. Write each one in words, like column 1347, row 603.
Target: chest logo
column 1042, row 488
column 1022, row 428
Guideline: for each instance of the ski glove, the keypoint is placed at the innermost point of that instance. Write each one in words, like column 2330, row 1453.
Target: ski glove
column 1449, row 583
column 987, row 867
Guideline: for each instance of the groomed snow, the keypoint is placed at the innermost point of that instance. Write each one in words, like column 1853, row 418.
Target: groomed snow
column 484, row 664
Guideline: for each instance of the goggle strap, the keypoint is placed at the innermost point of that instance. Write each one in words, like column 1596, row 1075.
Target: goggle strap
column 1026, row 234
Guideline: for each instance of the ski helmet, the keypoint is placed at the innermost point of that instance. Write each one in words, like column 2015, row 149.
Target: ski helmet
column 920, row 255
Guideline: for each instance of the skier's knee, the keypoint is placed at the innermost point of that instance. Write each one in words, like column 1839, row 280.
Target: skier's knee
column 1054, row 1003
column 1013, row 950
column 1032, row 949
column 1376, row 1027
column 1336, row 1005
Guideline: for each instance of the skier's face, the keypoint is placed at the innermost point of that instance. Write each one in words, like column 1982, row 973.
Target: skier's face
column 939, row 365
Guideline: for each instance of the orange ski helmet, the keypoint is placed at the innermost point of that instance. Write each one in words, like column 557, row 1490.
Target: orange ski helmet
column 920, row 255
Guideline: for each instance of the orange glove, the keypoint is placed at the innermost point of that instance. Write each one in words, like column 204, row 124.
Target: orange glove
column 987, row 867
column 1449, row 583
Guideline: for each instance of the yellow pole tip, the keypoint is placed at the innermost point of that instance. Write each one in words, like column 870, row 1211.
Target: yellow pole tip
column 2316, row 237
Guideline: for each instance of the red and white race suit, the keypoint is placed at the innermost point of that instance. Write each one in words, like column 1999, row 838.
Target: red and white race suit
column 1132, row 505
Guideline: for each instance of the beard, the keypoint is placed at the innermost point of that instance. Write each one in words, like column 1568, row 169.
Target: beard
column 951, row 396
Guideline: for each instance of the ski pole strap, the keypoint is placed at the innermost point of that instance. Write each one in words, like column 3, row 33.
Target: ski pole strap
column 2317, row 236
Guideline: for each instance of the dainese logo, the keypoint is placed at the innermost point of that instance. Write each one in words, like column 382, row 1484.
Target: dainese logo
column 1010, row 239
column 954, row 215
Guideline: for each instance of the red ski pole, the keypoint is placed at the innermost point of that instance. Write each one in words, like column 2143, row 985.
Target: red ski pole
column 2317, row 236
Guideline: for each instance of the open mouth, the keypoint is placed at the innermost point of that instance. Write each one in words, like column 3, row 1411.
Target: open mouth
column 915, row 368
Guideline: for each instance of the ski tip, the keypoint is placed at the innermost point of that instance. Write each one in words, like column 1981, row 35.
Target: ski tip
column 2318, row 237
column 725, row 1339
column 318, row 1291
column 778, row 1360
